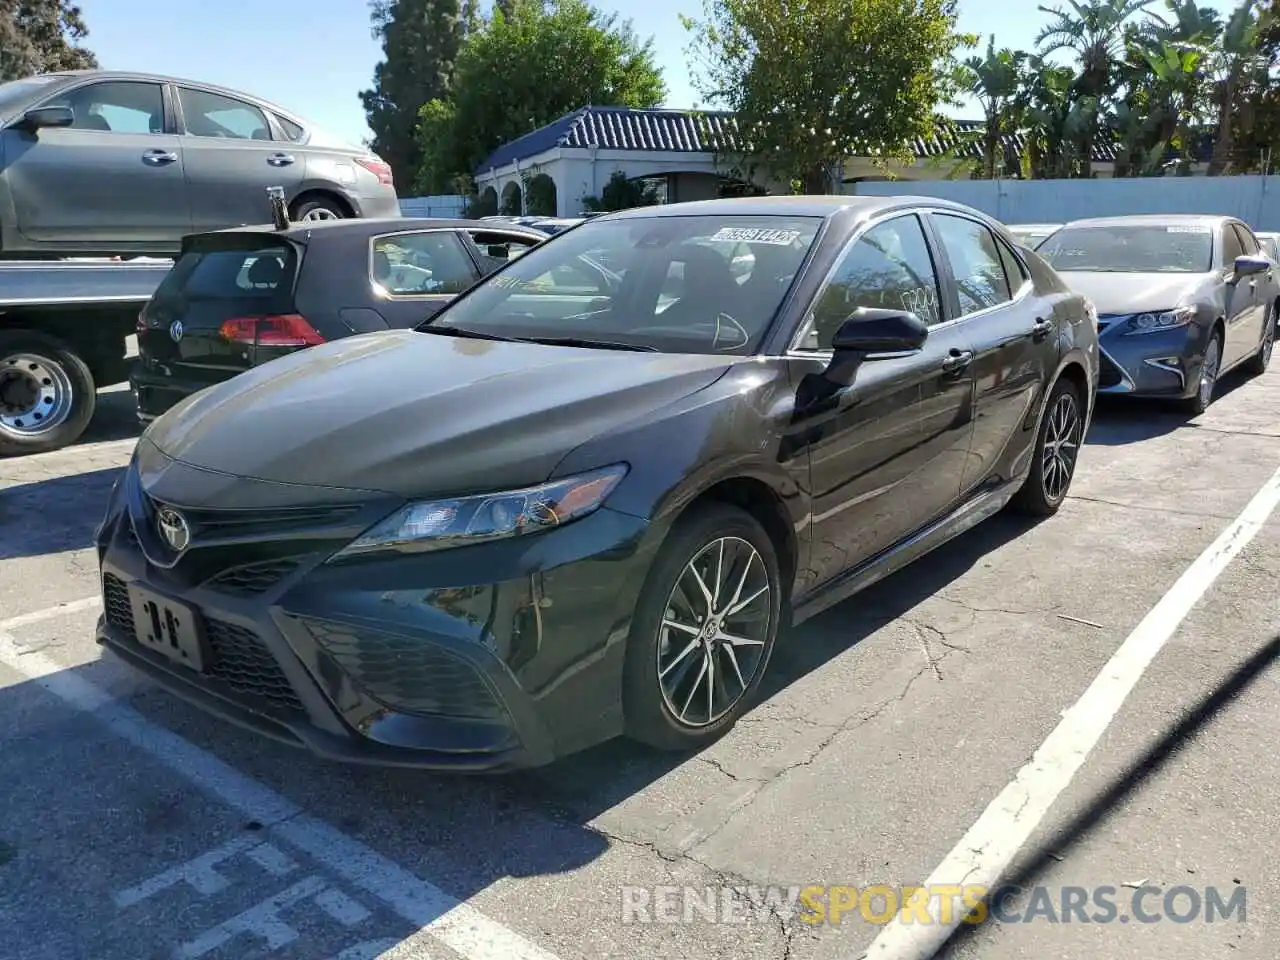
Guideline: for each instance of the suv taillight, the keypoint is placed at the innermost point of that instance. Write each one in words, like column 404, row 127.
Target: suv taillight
column 379, row 168
column 282, row 330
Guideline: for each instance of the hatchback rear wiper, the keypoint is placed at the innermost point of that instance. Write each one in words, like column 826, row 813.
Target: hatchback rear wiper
column 447, row 330
column 585, row 342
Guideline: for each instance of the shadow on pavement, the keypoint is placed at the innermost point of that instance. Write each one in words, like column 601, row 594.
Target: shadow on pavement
column 1121, row 420
column 114, row 418
column 54, row 515
column 1095, row 814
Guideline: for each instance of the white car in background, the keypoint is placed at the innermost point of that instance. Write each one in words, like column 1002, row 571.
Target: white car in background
column 1031, row 235
column 1270, row 244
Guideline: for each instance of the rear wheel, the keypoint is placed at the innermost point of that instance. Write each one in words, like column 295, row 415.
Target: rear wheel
column 1057, row 447
column 1258, row 363
column 47, row 394
column 704, row 630
column 1199, row 402
column 313, row 209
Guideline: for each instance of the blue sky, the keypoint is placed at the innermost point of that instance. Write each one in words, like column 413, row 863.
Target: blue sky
column 315, row 56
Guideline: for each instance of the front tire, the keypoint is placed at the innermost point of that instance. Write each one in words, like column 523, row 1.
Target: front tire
column 1199, row 402
column 703, row 631
column 47, row 394
column 1258, row 363
column 1057, row 448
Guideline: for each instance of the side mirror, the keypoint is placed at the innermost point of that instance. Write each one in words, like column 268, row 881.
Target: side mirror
column 41, row 117
column 1249, row 266
column 869, row 331
column 498, row 251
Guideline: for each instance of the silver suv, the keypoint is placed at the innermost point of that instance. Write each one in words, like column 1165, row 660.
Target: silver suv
column 101, row 162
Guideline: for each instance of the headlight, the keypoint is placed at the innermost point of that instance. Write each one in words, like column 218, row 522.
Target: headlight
column 1154, row 322
column 461, row 521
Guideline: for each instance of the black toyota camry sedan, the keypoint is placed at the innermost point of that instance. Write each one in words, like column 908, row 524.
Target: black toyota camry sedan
column 580, row 502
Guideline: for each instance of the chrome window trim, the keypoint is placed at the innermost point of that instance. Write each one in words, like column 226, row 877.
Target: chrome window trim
column 793, row 348
column 385, row 294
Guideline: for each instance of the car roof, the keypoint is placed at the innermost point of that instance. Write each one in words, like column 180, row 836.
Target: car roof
column 301, row 231
column 1169, row 219
column 789, row 206
column 166, row 78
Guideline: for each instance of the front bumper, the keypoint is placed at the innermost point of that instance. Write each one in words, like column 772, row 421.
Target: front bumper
column 485, row 658
column 1162, row 364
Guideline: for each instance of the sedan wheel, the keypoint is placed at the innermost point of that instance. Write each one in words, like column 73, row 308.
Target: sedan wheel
column 703, row 630
column 1057, row 449
column 1208, row 381
column 1259, row 362
column 715, row 632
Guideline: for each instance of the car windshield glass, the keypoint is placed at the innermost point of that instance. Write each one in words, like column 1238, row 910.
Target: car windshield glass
column 16, row 93
column 1145, row 248
column 678, row 284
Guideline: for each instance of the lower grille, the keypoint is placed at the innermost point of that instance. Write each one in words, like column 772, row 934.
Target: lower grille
column 239, row 663
column 407, row 673
column 252, row 579
column 1109, row 374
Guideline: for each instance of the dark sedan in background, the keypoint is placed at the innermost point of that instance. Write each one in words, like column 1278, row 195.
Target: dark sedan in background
column 239, row 298
column 576, row 504
column 1181, row 300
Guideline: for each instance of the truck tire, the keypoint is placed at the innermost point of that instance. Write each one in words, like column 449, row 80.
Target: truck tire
column 47, row 394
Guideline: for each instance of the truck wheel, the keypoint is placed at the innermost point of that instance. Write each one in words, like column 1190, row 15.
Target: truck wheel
column 47, row 394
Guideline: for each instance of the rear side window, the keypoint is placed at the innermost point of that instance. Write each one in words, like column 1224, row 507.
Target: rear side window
column 1012, row 268
column 419, row 264
column 291, row 129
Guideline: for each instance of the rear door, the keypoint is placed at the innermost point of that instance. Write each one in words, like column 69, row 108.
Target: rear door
column 1011, row 335
column 220, row 284
column 114, row 176
column 415, row 273
column 231, row 156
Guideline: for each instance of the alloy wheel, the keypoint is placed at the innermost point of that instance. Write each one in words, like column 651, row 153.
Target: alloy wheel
column 319, row 213
column 36, row 395
column 1209, row 372
column 1061, row 446
column 1268, row 337
column 714, row 632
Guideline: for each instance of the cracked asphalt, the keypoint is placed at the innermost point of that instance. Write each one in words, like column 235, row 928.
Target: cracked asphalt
column 887, row 726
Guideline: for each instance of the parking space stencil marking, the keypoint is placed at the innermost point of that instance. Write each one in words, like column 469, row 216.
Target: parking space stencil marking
column 201, row 875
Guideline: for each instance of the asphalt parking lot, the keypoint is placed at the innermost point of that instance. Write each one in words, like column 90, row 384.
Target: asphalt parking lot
column 136, row 827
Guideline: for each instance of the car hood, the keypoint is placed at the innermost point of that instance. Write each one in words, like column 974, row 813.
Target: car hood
column 417, row 414
column 1121, row 293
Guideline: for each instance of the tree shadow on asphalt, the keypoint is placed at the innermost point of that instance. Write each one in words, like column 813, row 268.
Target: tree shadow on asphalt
column 1120, row 420
column 54, row 515
column 1054, row 847
column 114, row 418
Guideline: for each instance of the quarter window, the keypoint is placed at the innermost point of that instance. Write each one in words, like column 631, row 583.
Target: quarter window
column 211, row 115
column 418, row 264
column 1013, row 268
column 889, row 267
column 975, row 263
column 116, row 107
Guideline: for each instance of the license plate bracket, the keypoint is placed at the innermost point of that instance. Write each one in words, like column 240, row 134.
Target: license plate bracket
column 169, row 627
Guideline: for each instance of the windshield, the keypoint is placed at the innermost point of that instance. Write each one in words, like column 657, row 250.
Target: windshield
column 705, row 284
column 1145, row 248
column 16, row 93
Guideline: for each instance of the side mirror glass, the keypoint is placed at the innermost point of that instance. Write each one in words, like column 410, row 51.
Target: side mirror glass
column 41, row 117
column 870, row 331
column 1248, row 266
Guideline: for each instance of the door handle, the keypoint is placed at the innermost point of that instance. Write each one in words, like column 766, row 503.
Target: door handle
column 957, row 360
column 158, row 158
column 1041, row 329
column 280, row 159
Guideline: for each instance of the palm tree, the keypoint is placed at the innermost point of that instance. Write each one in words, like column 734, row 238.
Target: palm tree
column 1237, row 58
column 995, row 80
column 1095, row 31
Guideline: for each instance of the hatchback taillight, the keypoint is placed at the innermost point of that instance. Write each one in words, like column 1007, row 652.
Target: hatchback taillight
column 379, row 168
column 141, row 325
column 281, row 330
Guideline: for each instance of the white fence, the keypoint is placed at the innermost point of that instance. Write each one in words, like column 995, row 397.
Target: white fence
column 1254, row 199
column 445, row 206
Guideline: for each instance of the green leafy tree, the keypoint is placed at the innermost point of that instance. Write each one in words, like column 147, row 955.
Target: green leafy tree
column 421, row 41
column 813, row 83
column 1238, row 58
column 41, row 36
column 995, row 80
column 522, row 71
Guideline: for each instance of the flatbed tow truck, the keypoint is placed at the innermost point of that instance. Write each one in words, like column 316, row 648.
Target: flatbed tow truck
column 64, row 327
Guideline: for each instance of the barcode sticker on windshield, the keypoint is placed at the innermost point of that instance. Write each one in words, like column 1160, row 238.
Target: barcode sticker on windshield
column 1187, row 229
column 782, row 238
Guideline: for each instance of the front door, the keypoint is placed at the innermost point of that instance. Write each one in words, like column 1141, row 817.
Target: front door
column 887, row 451
column 1012, row 336
column 113, row 177
column 1246, row 302
column 231, row 159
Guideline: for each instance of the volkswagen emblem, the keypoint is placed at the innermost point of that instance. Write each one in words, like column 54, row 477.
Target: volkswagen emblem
column 173, row 528
column 175, row 330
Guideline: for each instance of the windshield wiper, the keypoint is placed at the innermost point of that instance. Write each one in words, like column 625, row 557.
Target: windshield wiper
column 585, row 342
column 447, row 330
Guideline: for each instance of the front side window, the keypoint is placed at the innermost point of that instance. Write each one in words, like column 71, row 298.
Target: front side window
column 1231, row 245
column 975, row 263
column 1131, row 248
column 667, row 283
column 116, row 107
column 888, row 268
column 420, row 264
column 211, row 115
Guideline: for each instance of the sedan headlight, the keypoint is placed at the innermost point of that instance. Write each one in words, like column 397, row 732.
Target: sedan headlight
column 461, row 521
column 1155, row 322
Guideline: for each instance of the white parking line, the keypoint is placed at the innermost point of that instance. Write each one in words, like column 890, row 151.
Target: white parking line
column 459, row 926
column 49, row 613
column 985, row 853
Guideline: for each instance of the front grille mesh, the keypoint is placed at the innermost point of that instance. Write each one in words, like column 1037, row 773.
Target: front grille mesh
column 239, row 663
column 254, row 578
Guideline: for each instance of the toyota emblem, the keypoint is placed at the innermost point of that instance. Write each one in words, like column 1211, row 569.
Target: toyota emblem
column 173, row 528
column 175, row 330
